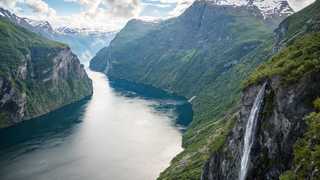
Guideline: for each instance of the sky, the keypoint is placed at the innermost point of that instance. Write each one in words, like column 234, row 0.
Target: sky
column 109, row 15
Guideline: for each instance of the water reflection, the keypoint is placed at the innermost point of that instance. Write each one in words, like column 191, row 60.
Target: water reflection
column 113, row 135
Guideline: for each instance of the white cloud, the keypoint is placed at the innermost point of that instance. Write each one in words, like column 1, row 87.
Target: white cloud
column 124, row 8
column 120, row 8
column 9, row 4
column 96, row 14
column 297, row 5
column 106, row 14
column 39, row 6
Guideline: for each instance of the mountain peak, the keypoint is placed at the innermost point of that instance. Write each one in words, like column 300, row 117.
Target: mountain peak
column 4, row 13
column 268, row 8
column 44, row 25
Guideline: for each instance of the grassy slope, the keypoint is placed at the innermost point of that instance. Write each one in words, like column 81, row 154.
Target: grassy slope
column 301, row 52
column 135, row 30
column 188, row 164
column 299, row 58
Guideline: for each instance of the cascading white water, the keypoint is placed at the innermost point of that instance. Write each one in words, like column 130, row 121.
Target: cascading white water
column 249, row 134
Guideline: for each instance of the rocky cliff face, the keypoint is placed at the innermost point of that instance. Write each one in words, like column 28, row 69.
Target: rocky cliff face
column 292, row 77
column 65, row 77
column 280, row 124
column 36, row 75
column 39, row 89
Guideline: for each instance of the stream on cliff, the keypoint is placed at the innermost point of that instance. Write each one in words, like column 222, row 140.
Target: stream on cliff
column 124, row 131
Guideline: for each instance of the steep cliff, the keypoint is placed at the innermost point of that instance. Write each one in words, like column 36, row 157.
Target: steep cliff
column 280, row 124
column 36, row 75
column 292, row 77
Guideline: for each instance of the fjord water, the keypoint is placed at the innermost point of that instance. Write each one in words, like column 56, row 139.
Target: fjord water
column 116, row 134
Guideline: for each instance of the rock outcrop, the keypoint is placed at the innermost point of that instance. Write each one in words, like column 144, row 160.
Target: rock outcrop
column 36, row 75
column 279, row 126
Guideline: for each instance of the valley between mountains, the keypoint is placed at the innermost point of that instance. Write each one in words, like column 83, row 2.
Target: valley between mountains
column 249, row 69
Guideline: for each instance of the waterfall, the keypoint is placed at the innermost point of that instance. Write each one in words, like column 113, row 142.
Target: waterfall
column 250, row 130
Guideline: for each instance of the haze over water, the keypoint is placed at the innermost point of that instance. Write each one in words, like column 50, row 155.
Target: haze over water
column 109, row 136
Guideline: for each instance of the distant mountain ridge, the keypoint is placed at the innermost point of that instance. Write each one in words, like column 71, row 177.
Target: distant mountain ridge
column 84, row 42
column 46, row 26
column 40, row 25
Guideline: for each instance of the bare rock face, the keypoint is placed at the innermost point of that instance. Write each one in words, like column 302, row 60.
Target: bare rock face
column 47, row 79
column 280, row 123
column 11, row 101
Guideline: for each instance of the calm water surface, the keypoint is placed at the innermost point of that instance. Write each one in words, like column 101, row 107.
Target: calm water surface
column 125, row 131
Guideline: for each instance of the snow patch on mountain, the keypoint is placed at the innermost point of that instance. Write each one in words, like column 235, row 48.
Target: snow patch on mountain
column 82, row 31
column 273, row 7
column 267, row 7
column 37, row 23
column 40, row 25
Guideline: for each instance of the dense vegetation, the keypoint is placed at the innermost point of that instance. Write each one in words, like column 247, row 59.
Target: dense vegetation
column 134, row 30
column 189, row 163
column 31, row 80
column 298, row 36
column 300, row 57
